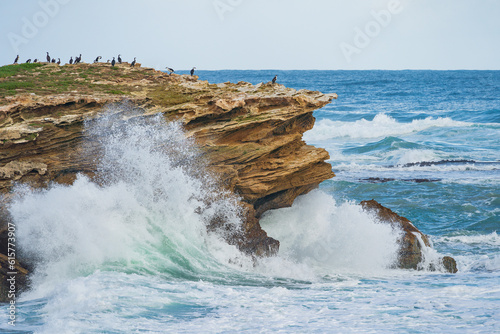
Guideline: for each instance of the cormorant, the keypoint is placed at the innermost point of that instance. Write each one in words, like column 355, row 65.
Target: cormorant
column 15, row 60
column 48, row 58
column 28, row 61
column 58, row 61
column 78, row 59
column 53, row 60
column 274, row 79
column 113, row 62
column 97, row 59
column 119, row 59
column 71, row 60
column 35, row 61
column 133, row 63
column 192, row 71
column 170, row 70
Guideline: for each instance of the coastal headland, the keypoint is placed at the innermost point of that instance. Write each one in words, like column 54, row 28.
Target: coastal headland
column 250, row 136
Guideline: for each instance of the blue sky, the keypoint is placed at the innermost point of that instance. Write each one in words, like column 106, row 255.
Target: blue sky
column 258, row 34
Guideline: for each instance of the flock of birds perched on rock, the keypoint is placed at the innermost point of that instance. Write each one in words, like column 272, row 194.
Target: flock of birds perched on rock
column 78, row 59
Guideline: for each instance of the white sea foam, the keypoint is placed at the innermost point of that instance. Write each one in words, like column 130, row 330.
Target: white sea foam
column 381, row 126
column 149, row 215
column 492, row 239
column 332, row 238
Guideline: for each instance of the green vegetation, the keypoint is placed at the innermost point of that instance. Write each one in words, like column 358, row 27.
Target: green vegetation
column 12, row 70
column 93, row 79
column 31, row 137
column 117, row 92
column 168, row 96
column 10, row 85
column 44, row 79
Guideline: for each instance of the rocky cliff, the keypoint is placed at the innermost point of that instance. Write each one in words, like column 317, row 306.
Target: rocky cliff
column 250, row 134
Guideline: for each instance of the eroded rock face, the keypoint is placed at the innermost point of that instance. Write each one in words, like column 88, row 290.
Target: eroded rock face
column 251, row 135
column 411, row 249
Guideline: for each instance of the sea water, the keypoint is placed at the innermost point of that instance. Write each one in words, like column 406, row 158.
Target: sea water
column 128, row 251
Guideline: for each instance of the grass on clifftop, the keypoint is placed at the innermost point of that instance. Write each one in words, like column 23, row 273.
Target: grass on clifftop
column 171, row 95
column 45, row 79
column 12, row 70
column 50, row 79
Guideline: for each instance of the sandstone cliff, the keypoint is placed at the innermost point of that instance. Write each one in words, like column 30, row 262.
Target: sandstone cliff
column 250, row 134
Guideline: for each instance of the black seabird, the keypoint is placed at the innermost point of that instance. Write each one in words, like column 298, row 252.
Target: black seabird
column 58, row 61
column 28, row 61
column 274, row 79
column 119, row 59
column 97, row 59
column 71, row 60
column 48, row 58
column 170, row 70
column 113, row 62
column 78, row 59
column 133, row 63
column 192, row 71
column 35, row 61
column 15, row 60
column 53, row 60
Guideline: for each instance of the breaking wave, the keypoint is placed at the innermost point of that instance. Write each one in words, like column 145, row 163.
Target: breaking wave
column 382, row 125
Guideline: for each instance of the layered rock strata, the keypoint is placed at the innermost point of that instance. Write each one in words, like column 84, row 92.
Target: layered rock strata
column 251, row 135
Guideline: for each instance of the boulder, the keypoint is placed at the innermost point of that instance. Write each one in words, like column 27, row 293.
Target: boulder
column 412, row 242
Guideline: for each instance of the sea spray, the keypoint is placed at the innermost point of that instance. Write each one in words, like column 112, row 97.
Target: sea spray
column 146, row 210
column 332, row 238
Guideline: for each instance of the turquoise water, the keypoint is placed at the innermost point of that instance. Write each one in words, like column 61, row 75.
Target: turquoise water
column 133, row 255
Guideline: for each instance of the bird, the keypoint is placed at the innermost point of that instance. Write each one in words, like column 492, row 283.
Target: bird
column 119, row 59
column 113, row 62
column 71, row 60
column 15, row 60
column 28, row 61
column 53, row 60
column 133, row 63
column 78, row 59
column 35, row 61
column 170, row 70
column 97, row 59
column 192, row 71
column 274, row 79
column 58, row 61
column 48, row 58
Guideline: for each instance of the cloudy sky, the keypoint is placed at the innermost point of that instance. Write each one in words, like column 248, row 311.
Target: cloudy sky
column 258, row 34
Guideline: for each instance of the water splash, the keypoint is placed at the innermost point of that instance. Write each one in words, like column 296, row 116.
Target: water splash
column 145, row 212
column 332, row 238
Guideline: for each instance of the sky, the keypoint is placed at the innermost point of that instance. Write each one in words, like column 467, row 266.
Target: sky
column 258, row 34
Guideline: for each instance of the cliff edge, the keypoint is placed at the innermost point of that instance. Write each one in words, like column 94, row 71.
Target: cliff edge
column 251, row 135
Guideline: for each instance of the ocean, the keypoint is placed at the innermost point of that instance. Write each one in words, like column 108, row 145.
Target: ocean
column 132, row 256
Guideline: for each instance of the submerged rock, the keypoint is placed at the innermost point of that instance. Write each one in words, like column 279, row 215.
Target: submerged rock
column 412, row 243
